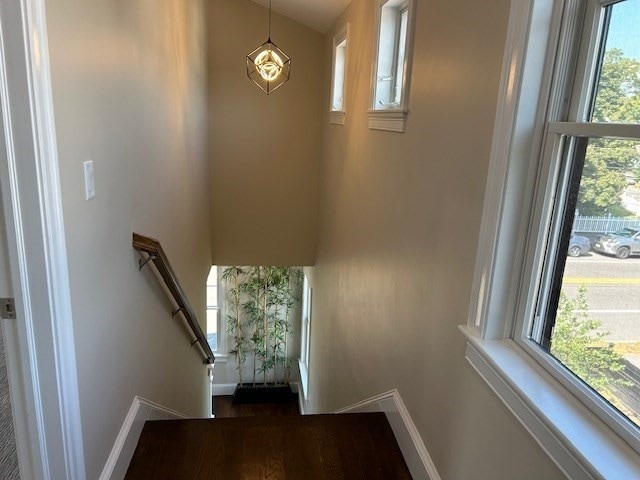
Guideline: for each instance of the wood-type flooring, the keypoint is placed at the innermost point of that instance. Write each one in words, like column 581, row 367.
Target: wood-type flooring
column 275, row 447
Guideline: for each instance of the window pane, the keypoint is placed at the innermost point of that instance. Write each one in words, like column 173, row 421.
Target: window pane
column 402, row 45
column 340, row 54
column 595, row 328
column 212, row 278
column 618, row 86
column 212, row 328
column 212, row 296
column 387, row 53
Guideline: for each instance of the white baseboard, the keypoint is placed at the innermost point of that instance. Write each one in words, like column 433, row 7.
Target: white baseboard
column 141, row 410
column 415, row 453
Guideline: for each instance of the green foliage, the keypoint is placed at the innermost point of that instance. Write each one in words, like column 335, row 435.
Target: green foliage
column 618, row 95
column 230, row 276
column 261, row 299
column 578, row 342
column 617, row 100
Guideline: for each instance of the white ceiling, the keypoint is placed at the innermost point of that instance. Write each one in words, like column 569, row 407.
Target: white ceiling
column 317, row 14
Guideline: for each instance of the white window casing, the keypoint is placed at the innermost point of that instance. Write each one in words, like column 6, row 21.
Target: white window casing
column 217, row 307
column 392, row 60
column 340, row 65
column 558, row 411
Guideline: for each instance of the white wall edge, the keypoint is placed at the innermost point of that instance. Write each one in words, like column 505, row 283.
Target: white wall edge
column 141, row 410
column 413, row 449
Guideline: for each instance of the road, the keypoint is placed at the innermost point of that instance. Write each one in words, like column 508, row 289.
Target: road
column 613, row 292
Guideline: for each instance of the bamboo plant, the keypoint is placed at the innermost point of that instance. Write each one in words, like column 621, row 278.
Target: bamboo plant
column 259, row 316
column 231, row 277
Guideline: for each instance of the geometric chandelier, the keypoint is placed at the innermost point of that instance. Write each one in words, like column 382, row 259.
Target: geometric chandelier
column 268, row 66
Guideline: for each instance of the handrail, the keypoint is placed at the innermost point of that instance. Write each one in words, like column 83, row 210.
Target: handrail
column 156, row 254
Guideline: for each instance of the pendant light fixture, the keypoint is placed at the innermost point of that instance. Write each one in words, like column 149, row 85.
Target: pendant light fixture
column 267, row 65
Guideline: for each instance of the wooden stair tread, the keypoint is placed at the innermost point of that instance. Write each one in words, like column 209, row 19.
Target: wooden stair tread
column 323, row 447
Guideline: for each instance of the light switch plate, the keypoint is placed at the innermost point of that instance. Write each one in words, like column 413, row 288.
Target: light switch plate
column 89, row 182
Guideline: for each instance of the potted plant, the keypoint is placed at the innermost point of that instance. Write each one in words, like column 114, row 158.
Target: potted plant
column 260, row 303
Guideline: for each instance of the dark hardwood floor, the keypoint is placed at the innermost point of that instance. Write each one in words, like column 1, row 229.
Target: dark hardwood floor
column 276, row 447
column 224, row 407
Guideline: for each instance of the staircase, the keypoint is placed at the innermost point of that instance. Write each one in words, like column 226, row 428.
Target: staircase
column 267, row 446
column 286, row 447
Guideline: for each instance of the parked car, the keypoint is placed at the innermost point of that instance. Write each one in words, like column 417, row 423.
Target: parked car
column 622, row 244
column 578, row 246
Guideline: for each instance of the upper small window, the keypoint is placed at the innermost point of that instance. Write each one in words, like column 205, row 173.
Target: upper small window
column 338, row 80
column 391, row 71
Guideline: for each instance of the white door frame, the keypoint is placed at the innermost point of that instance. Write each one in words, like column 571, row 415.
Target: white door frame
column 7, row 327
column 40, row 348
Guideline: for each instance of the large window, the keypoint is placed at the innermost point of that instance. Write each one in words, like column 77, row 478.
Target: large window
column 587, row 307
column 391, row 67
column 558, row 268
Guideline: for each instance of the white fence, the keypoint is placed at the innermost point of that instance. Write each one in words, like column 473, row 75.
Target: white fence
column 602, row 224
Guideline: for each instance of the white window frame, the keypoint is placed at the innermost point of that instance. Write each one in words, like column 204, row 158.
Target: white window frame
column 392, row 117
column 340, row 64
column 534, row 387
column 305, row 336
column 221, row 348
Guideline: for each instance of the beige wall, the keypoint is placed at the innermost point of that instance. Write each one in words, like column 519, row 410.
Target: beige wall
column 265, row 149
column 397, row 237
column 129, row 85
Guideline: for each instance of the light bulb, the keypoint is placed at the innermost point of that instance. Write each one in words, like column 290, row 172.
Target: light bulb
column 268, row 65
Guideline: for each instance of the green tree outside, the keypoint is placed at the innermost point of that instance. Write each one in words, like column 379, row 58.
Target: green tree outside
column 617, row 101
column 579, row 343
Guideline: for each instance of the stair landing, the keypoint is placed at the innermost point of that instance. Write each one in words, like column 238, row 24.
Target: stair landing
column 323, row 447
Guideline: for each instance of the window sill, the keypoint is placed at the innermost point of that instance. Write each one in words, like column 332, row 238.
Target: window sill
column 580, row 444
column 336, row 117
column 389, row 120
column 220, row 357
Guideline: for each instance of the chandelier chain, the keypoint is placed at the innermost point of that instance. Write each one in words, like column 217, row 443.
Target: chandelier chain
column 269, row 19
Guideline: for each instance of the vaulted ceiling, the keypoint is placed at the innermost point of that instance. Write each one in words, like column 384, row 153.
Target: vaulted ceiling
column 317, row 14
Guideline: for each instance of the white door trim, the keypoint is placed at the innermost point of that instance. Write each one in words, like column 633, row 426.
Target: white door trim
column 43, row 362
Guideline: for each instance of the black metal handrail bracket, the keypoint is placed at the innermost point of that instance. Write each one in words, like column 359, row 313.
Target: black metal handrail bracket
column 152, row 252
